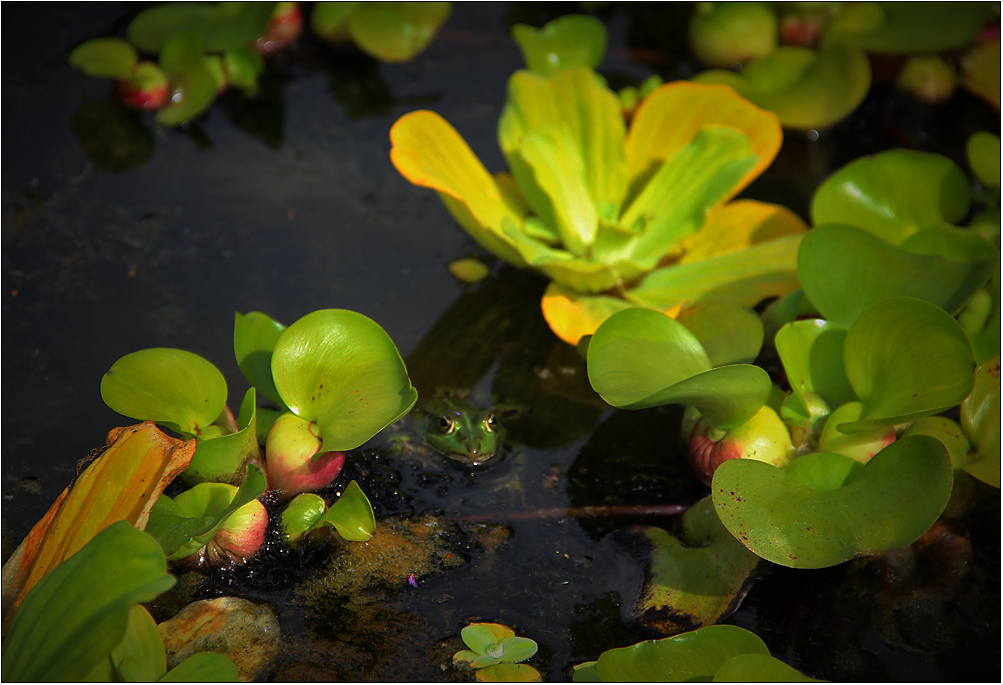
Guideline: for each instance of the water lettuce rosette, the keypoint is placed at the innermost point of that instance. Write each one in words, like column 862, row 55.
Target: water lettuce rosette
column 616, row 218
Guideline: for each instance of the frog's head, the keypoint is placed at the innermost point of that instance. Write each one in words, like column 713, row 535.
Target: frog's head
column 466, row 434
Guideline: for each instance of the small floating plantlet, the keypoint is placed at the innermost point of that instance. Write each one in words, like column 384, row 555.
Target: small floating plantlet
column 494, row 654
column 388, row 31
column 201, row 48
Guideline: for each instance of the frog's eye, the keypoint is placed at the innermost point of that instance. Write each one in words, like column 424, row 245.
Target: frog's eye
column 447, row 424
column 490, row 423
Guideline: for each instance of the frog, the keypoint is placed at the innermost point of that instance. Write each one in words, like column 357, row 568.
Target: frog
column 455, row 430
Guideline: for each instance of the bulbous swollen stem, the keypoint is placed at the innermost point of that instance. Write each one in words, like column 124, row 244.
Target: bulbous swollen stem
column 239, row 538
column 294, row 458
column 764, row 437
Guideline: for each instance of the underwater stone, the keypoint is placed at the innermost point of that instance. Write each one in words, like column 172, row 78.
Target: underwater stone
column 246, row 632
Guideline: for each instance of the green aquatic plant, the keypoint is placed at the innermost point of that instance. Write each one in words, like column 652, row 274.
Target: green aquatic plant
column 494, row 654
column 822, row 72
column 696, row 575
column 388, row 31
column 212, row 523
column 725, row 33
column 715, row 653
column 335, row 374
column 616, row 219
column 201, row 48
column 352, row 515
column 84, row 621
column 570, row 41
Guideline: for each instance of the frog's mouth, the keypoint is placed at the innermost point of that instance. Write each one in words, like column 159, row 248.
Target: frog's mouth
column 477, row 462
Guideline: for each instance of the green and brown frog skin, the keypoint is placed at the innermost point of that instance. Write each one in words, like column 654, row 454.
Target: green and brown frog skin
column 466, row 436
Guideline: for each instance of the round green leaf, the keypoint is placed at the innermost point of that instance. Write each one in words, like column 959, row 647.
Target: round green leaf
column 352, row 515
column 907, row 27
column 871, row 269
column 329, row 20
column 508, row 673
column 254, row 338
column 824, row 509
column 980, row 419
column 192, row 82
column 894, row 194
column 686, row 657
column 906, row 358
column 812, row 355
column 219, row 26
column 480, row 636
column 152, row 27
column 516, row 649
column 105, row 58
column 396, row 31
column 222, row 459
column 641, row 358
column 570, row 41
column 983, row 151
column 203, row 667
column 805, row 88
column 172, row 387
column 635, row 353
column 340, row 370
column 759, row 668
column 696, row 577
column 728, row 332
column 301, row 514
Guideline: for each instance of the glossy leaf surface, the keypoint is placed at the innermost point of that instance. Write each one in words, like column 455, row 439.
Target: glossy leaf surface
column 218, row 26
column 340, row 370
column 183, row 525
column 693, row 578
column 508, row 673
column 728, row 332
column 79, row 611
column 824, row 509
column 203, row 667
column 352, row 515
column 812, row 355
column 980, row 419
column 222, row 459
column 805, row 88
column 894, row 194
column 192, row 82
column 640, row 358
column 872, row 270
column 254, row 338
column 572, row 40
column 175, row 388
column 907, row 27
column 759, row 668
column 687, row 657
column 906, row 358
column 396, row 31
column 105, row 58
column 983, row 149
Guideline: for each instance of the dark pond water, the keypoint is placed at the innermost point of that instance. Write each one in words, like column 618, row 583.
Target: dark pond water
column 289, row 204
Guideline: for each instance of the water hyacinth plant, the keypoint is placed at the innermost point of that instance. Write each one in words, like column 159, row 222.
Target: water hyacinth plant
column 494, row 654
column 616, row 218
